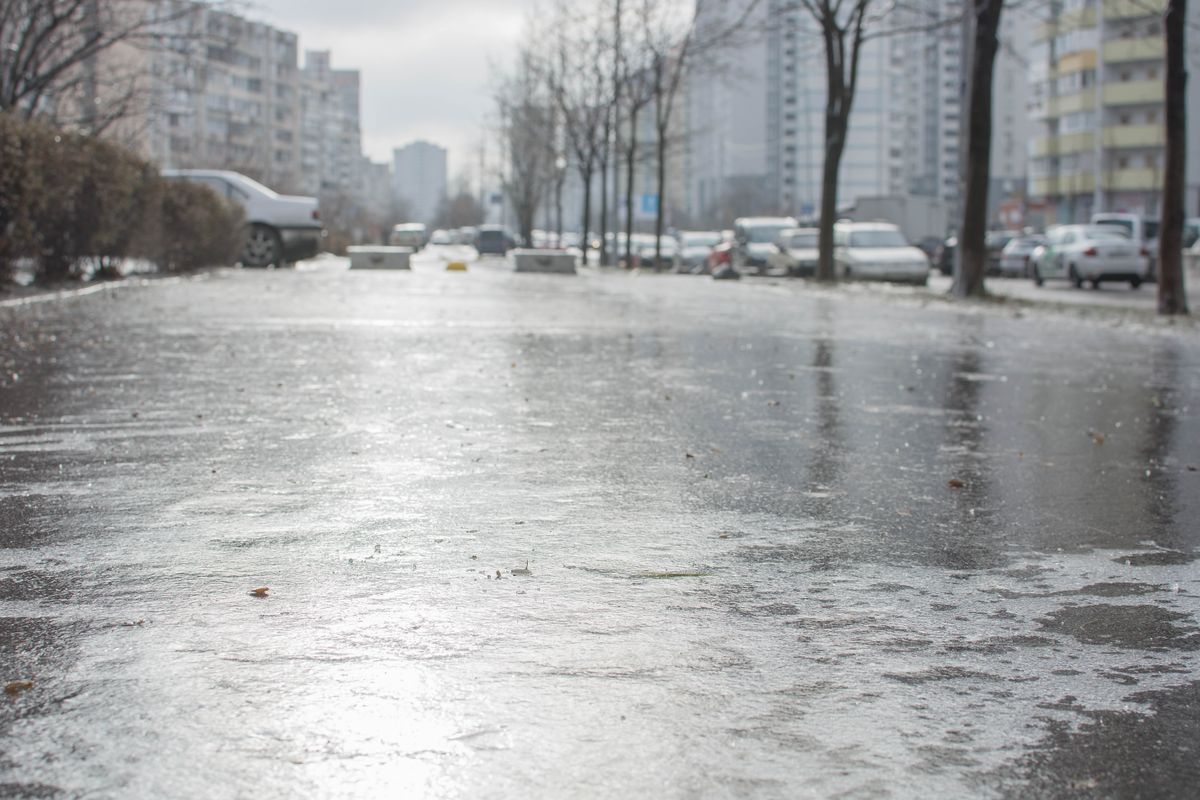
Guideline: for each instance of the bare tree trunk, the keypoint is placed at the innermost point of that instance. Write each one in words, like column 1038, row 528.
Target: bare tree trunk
column 972, row 244
column 1172, row 295
column 605, row 154
column 660, row 217
column 631, row 160
column 835, row 143
column 558, row 224
column 585, row 227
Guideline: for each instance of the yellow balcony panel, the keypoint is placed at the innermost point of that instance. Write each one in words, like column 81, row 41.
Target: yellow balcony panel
column 1070, row 103
column 1064, row 184
column 1077, row 62
column 1133, row 180
column 1135, row 93
column 1134, row 136
column 1150, row 48
column 1064, row 144
column 1133, row 9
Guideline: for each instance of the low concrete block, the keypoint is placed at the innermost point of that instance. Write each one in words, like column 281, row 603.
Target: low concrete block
column 557, row 261
column 379, row 257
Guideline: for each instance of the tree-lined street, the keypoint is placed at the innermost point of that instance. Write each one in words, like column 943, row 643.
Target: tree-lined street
column 606, row 535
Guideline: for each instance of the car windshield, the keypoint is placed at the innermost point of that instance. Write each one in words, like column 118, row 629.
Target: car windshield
column 250, row 183
column 1119, row 224
column 764, row 234
column 1023, row 243
column 701, row 239
column 880, row 237
column 803, row 241
column 1150, row 229
column 1106, row 232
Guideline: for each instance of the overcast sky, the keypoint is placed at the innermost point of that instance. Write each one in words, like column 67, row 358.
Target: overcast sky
column 427, row 65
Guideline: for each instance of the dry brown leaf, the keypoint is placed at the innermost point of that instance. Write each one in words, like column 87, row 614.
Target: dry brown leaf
column 260, row 591
column 955, row 483
column 14, row 688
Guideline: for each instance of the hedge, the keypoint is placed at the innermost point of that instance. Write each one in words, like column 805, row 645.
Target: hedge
column 71, row 204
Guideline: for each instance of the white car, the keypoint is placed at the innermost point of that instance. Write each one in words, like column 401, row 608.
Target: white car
column 755, row 240
column 1014, row 258
column 877, row 251
column 796, row 253
column 1142, row 230
column 694, row 247
column 281, row 228
column 1092, row 253
column 668, row 249
column 408, row 234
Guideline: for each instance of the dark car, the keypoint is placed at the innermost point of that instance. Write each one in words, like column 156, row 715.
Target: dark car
column 493, row 241
column 944, row 259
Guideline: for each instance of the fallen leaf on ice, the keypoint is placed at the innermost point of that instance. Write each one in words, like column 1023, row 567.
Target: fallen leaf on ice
column 14, row 688
column 955, row 483
column 259, row 592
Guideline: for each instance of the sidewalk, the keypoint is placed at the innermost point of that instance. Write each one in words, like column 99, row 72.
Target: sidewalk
column 1110, row 295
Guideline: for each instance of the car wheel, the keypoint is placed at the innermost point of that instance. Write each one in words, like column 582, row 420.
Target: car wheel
column 1135, row 283
column 263, row 247
column 1075, row 277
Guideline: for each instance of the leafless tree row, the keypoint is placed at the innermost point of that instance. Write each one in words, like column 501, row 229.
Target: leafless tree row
column 597, row 72
column 76, row 64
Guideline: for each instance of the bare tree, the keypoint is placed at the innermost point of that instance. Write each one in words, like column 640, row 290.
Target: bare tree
column 75, row 63
column 843, row 30
column 972, row 247
column 635, row 91
column 1172, row 297
column 673, row 42
column 579, row 89
column 526, row 117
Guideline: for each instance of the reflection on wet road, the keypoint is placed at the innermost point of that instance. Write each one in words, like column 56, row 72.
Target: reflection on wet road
column 544, row 536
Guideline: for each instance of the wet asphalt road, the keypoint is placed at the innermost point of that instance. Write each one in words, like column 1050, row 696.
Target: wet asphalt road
column 593, row 536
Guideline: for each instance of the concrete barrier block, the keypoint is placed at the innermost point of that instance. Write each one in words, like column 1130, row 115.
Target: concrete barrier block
column 379, row 257
column 556, row 261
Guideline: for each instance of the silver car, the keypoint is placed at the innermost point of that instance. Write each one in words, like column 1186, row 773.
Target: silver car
column 1092, row 253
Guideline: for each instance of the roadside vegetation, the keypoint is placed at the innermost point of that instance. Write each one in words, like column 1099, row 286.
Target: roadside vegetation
column 74, row 206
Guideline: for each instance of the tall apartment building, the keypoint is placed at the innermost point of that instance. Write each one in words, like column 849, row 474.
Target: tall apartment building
column 1011, row 125
column 228, row 98
column 1097, row 101
column 419, row 170
column 331, row 139
column 758, row 136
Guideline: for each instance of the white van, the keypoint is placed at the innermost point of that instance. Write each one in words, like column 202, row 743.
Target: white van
column 1142, row 230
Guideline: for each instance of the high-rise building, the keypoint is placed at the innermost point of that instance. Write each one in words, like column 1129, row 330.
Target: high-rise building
column 331, row 136
column 227, row 98
column 757, row 135
column 419, row 170
column 1097, row 101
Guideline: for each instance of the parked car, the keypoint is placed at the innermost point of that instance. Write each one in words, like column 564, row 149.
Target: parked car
column 280, row 228
column 1014, row 259
column 408, row 234
column 995, row 242
column 668, row 250
column 694, row 248
column 1191, row 232
column 1093, row 253
column 795, row 253
column 494, row 240
column 877, row 251
column 441, row 237
column 943, row 260
column 1142, row 230
column 755, row 241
